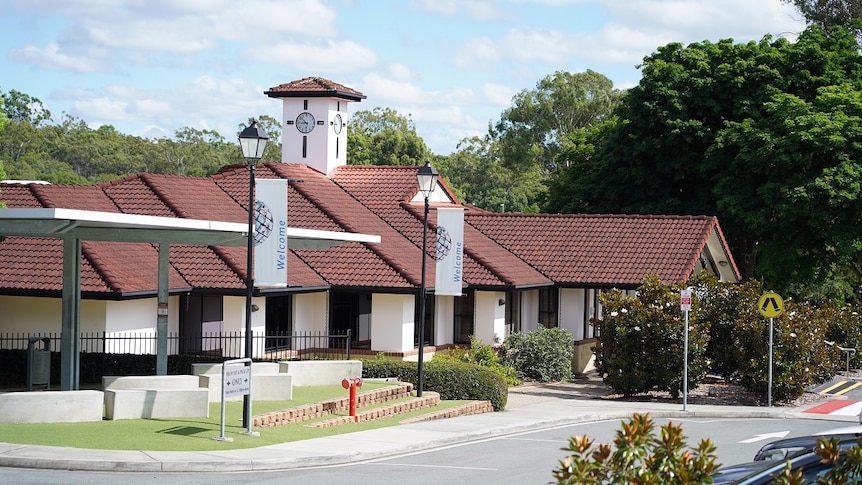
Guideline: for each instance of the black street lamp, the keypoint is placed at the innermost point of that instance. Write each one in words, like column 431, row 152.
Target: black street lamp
column 427, row 178
column 252, row 140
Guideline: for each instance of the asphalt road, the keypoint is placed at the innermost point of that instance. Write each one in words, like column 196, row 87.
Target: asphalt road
column 519, row 459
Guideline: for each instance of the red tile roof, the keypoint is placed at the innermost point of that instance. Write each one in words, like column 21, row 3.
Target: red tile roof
column 312, row 87
column 502, row 251
column 601, row 250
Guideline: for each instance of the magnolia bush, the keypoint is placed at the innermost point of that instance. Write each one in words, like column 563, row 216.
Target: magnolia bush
column 640, row 347
column 641, row 341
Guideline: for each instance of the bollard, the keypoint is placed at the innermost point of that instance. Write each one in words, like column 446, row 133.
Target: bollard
column 352, row 384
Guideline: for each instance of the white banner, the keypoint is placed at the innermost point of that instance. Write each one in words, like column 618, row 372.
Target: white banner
column 270, row 237
column 450, row 251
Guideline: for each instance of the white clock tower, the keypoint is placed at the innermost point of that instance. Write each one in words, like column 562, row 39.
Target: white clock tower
column 314, row 120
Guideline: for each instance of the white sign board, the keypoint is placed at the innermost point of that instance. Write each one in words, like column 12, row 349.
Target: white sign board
column 685, row 300
column 237, row 381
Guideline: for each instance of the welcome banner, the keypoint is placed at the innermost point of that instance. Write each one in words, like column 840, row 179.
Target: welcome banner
column 270, row 236
column 450, row 251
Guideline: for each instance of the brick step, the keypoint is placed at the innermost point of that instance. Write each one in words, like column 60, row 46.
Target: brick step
column 429, row 399
column 316, row 410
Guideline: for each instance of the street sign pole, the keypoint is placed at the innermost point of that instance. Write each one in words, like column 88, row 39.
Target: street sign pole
column 770, row 305
column 685, row 306
column 769, row 385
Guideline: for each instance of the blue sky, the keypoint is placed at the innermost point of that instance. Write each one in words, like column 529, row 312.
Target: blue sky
column 150, row 67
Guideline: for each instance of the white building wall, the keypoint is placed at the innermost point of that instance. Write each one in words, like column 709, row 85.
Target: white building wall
column 135, row 319
column 233, row 315
column 392, row 322
column 28, row 314
column 490, row 317
column 309, row 311
column 572, row 311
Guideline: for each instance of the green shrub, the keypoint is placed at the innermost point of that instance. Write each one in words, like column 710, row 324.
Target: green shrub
column 844, row 329
column 543, row 354
column 719, row 305
column 641, row 341
column 800, row 356
column 453, row 380
column 480, row 354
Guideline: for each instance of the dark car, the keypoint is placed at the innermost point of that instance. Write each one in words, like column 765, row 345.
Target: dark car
column 787, row 447
column 764, row 471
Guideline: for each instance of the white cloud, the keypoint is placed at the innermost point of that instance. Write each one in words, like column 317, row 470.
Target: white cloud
column 317, row 58
column 51, row 57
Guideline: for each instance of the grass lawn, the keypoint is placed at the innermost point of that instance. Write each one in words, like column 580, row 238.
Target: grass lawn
column 196, row 434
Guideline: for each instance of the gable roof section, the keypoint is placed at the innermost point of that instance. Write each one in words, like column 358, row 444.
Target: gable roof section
column 393, row 263
column 388, row 190
column 601, row 250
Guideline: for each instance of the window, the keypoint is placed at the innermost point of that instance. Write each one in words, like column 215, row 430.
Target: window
column 429, row 321
column 279, row 322
column 464, row 324
column 549, row 303
column 513, row 312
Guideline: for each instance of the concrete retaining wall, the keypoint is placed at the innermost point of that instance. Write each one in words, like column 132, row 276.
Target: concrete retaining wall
column 321, row 372
column 50, row 406
column 150, row 382
column 156, row 403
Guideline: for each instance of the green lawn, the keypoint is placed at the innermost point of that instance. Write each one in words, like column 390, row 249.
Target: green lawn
column 197, row 434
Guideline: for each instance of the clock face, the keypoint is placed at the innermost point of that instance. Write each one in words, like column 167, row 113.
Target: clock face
column 305, row 122
column 337, row 124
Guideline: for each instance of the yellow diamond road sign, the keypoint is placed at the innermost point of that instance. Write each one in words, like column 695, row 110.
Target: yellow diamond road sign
column 770, row 304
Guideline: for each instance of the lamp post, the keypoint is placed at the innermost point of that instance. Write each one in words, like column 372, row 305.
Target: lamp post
column 252, row 140
column 427, row 178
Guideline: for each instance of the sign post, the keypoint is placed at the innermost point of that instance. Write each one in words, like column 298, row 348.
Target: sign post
column 770, row 306
column 685, row 306
column 235, row 381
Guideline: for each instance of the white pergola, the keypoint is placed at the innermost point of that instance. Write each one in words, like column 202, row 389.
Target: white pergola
column 74, row 226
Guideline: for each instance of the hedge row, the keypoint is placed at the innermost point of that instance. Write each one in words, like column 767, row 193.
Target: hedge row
column 453, row 380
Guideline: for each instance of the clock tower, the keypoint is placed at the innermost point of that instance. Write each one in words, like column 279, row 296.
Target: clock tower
column 314, row 122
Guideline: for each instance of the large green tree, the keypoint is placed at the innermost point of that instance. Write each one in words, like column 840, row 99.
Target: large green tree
column 530, row 133
column 480, row 179
column 384, row 137
column 762, row 134
column 829, row 13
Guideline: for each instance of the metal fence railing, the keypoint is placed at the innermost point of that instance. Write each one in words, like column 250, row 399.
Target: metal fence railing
column 286, row 346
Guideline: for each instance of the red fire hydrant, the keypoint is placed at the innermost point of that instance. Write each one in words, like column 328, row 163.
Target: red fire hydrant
column 352, row 384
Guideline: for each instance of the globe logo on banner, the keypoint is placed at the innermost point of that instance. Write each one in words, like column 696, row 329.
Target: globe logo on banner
column 263, row 222
column 444, row 243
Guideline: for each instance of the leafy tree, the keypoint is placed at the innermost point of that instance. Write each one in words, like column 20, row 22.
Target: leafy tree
column 829, row 13
column 482, row 180
column 384, row 137
column 757, row 134
column 638, row 455
column 530, row 133
column 196, row 152
column 18, row 106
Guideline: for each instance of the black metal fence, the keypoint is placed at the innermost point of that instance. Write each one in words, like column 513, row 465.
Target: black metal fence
column 286, row 346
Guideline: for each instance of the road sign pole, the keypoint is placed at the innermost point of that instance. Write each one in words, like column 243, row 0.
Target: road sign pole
column 770, row 305
column 769, row 384
column 685, row 365
column 685, row 306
